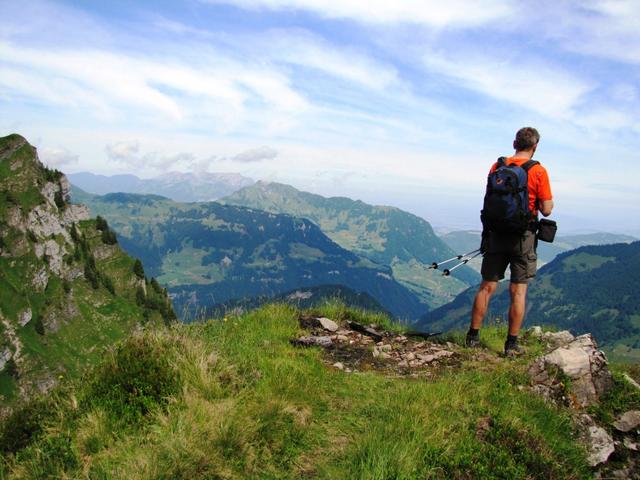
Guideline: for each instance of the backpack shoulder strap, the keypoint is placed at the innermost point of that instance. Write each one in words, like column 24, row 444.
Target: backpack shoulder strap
column 526, row 166
column 502, row 161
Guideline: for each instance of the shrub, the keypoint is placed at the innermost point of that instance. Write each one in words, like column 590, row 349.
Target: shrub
column 140, row 297
column 91, row 273
column 58, row 199
column 156, row 286
column 101, row 224
column 11, row 198
column 138, row 269
column 52, row 175
column 109, row 237
column 24, row 424
column 12, row 369
column 108, row 284
column 38, row 325
column 135, row 378
column 74, row 233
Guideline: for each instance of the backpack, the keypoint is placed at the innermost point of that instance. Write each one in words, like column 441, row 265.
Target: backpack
column 506, row 201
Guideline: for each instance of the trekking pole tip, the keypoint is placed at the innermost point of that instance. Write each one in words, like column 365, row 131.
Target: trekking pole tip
column 446, row 272
column 434, row 265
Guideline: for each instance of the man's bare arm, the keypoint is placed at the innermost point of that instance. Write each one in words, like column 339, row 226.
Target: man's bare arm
column 545, row 207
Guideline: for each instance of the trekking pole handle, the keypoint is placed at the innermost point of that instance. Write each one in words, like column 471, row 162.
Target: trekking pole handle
column 435, row 265
column 447, row 271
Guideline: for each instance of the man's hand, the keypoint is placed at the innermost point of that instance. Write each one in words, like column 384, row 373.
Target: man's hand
column 545, row 207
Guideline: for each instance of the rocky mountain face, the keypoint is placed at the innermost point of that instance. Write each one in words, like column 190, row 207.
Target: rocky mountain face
column 387, row 235
column 588, row 290
column 209, row 253
column 66, row 288
column 178, row 186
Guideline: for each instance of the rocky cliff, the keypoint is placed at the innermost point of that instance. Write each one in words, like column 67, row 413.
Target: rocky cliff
column 66, row 288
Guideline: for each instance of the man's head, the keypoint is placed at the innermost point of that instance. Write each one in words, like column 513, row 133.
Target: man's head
column 526, row 140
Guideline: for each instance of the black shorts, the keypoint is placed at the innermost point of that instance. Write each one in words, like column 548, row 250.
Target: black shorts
column 518, row 251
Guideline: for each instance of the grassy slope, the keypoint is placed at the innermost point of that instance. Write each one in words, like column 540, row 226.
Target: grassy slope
column 243, row 403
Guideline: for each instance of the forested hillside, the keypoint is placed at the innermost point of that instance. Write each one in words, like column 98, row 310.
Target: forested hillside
column 386, row 235
column 208, row 253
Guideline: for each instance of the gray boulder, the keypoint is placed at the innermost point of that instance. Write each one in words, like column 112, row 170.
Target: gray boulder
column 627, row 421
column 328, row 324
column 557, row 339
column 582, row 363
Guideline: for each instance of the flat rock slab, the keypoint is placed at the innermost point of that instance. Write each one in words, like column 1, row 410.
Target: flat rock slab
column 328, row 324
column 628, row 421
column 313, row 341
column 599, row 443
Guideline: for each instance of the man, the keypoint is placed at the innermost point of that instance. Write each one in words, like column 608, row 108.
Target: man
column 514, row 249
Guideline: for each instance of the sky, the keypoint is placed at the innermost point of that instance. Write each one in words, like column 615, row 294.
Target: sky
column 402, row 103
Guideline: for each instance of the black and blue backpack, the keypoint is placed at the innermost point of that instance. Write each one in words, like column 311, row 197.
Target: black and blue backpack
column 506, row 201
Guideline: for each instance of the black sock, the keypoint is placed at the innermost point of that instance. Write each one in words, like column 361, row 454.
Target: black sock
column 473, row 332
column 512, row 339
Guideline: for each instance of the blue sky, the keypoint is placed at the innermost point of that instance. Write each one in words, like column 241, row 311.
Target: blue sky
column 402, row 103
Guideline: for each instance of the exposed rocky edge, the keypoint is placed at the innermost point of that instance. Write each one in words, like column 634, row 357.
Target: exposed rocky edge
column 572, row 374
column 575, row 374
column 354, row 347
column 575, row 363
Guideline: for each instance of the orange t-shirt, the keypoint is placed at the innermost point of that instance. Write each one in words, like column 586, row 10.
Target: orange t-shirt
column 538, row 182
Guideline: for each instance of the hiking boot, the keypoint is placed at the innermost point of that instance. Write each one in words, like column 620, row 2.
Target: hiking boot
column 512, row 349
column 472, row 341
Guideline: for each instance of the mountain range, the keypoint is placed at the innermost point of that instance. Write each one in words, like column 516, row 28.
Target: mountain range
column 386, row 235
column 178, row 186
column 589, row 289
column 208, row 253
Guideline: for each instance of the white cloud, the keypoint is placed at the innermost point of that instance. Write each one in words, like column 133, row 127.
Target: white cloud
column 116, row 84
column 533, row 85
column 308, row 50
column 57, row 157
column 608, row 29
column 256, row 155
column 122, row 151
column 455, row 13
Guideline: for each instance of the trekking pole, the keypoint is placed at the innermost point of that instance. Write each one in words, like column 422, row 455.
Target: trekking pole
column 435, row 265
column 447, row 271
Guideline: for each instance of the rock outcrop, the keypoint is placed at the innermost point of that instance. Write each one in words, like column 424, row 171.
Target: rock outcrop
column 575, row 372
column 599, row 443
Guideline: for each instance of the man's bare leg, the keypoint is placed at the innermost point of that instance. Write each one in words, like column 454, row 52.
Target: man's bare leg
column 516, row 310
column 481, row 303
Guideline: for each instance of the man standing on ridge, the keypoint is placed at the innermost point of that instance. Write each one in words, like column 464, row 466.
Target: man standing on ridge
column 502, row 247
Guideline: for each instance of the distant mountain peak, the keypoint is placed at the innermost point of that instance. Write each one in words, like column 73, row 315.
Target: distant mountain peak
column 178, row 186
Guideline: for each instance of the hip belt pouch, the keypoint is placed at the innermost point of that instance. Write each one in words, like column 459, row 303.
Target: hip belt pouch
column 547, row 230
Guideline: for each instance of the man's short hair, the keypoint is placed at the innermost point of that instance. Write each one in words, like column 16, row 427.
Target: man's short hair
column 526, row 138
